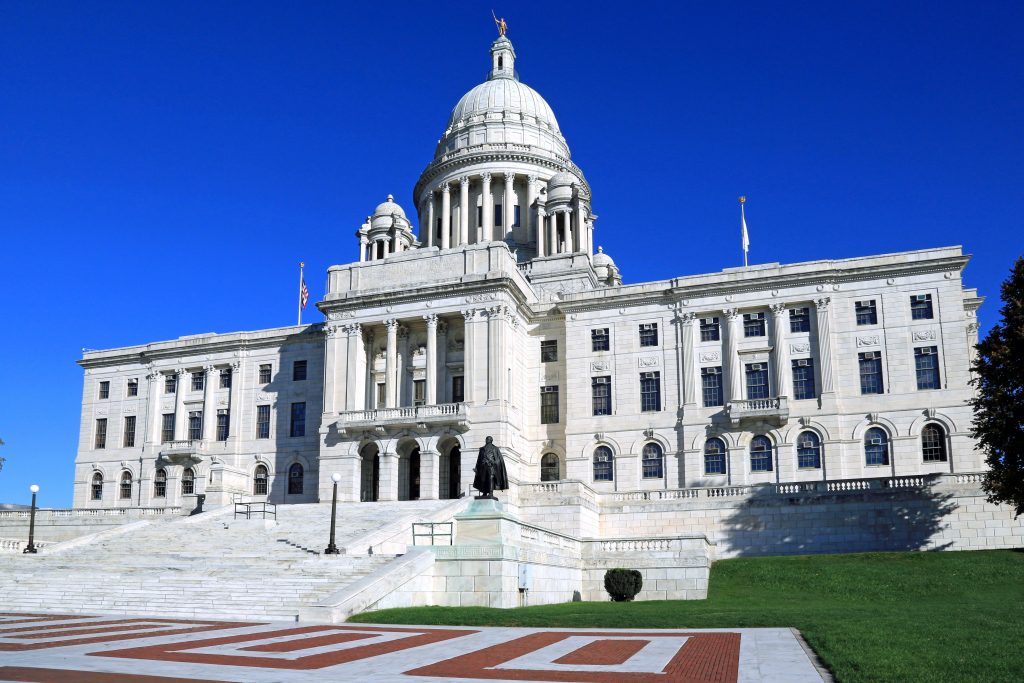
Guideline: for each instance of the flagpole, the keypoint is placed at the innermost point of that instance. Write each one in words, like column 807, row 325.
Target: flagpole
column 301, row 266
column 743, row 223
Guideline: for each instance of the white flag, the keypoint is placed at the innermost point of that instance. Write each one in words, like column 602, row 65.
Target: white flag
column 746, row 237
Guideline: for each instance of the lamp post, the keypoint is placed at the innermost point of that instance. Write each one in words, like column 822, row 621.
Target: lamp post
column 331, row 548
column 31, row 547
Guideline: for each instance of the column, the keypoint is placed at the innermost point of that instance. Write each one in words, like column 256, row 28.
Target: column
column 527, row 217
column 388, row 474
column 363, row 241
column 507, row 204
column 391, row 359
column 567, row 230
column 334, row 382
column 581, row 226
column 431, row 221
column 468, row 356
column 209, row 404
column 387, row 247
column 464, row 210
column 824, row 344
column 369, row 383
column 373, row 251
column 687, row 360
column 488, row 209
column 402, row 389
column 495, row 353
column 355, row 382
column 446, row 216
column 553, row 247
column 431, row 379
column 156, row 380
column 235, row 401
column 541, row 230
column 780, row 368
column 441, row 386
column 179, row 405
column 429, row 475
column 732, row 358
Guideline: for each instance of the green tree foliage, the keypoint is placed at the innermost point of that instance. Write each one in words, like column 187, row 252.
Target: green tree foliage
column 623, row 584
column 999, row 405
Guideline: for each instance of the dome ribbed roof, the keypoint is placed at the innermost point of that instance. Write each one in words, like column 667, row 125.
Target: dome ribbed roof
column 389, row 207
column 504, row 95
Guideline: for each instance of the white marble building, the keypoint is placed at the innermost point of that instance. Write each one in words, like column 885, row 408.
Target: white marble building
column 500, row 316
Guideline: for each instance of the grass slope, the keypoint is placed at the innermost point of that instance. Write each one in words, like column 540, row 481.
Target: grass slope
column 872, row 617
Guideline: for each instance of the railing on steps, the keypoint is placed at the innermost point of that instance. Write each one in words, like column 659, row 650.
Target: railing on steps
column 92, row 512
column 251, row 510
column 432, row 532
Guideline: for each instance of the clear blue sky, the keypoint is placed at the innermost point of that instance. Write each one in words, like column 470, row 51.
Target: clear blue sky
column 164, row 166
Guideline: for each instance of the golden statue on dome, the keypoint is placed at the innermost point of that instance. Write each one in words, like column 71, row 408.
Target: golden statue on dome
column 500, row 23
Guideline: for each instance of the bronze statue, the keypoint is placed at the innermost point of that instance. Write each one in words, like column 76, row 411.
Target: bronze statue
column 500, row 23
column 490, row 470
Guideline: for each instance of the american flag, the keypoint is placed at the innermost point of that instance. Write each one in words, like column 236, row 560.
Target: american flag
column 303, row 293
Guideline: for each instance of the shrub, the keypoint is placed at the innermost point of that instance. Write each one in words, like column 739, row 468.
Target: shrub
column 623, row 584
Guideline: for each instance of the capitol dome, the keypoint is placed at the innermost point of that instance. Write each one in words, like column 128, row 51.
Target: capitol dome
column 503, row 97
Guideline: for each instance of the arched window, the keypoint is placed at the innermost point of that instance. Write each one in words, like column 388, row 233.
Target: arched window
column 933, row 443
column 603, row 470
column 549, row 468
column 295, row 475
column 876, row 447
column 188, row 482
column 97, row 486
column 761, row 454
column 808, row 451
column 714, row 456
column 653, row 461
column 126, row 485
column 160, row 484
column 259, row 481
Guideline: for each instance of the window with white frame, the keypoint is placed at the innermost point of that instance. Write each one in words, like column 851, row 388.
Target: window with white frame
column 711, row 386
column 549, row 351
column 195, row 425
column 549, row 405
column 866, row 312
column 757, row 380
column 225, row 378
column 104, row 390
column 761, row 454
column 800, row 319
column 870, row 364
column 265, row 372
column 803, row 379
column 710, row 329
column 921, row 307
column 599, row 339
column 808, row 451
column 167, row 427
column 198, row 380
column 653, row 461
column 926, row 366
column 132, row 388
column 101, row 434
column 223, row 424
column 263, row 422
column 714, row 456
column 128, row 438
column 601, row 395
column 126, row 485
column 160, row 483
column 650, row 392
column 170, row 384
column 876, row 447
column 260, row 481
column 753, row 325
column 933, row 443
column 188, row 482
column 603, row 464
column 550, row 468
column 97, row 486
column 649, row 334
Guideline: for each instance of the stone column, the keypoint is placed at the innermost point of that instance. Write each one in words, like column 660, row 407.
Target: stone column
column 363, row 241
column 431, row 361
column 391, row 359
column 441, row 386
column 495, row 350
column 531, row 198
column 972, row 345
column 388, row 475
column 732, row 357
column 430, row 221
column 209, row 405
column 508, row 202
column 446, row 216
column 468, row 356
column 401, row 376
column 780, row 368
column 235, row 401
column 369, row 381
column 824, row 344
column 334, row 382
column 156, row 380
column 488, row 208
column 687, row 360
column 581, row 237
column 567, row 230
column 553, row 244
column 355, row 381
column 541, row 230
column 387, row 246
column 429, row 475
column 464, row 210
column 180, row 421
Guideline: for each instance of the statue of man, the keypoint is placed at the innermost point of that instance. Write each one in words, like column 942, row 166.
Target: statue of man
column 490, row 470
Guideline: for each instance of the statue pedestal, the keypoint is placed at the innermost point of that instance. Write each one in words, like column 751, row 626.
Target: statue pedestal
column 485, row 522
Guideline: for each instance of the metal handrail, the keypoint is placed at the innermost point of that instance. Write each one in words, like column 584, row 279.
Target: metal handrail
column 432, row 532
column 250, row 510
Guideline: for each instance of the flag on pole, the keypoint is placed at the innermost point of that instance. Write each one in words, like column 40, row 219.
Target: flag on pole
column 303, row 292
column 743, row 224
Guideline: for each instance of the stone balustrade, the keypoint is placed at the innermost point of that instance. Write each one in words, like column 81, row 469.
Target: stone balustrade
column 442, row 413
column 92, row 512
column 772, row 409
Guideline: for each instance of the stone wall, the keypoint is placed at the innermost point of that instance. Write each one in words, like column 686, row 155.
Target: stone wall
column 54, row 526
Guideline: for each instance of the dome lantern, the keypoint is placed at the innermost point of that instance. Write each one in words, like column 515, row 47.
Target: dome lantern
column 503, row 59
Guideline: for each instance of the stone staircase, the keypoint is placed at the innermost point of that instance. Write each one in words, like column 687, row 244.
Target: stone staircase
column 212, row 565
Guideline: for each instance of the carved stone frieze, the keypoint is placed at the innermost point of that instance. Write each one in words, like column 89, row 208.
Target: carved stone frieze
column 799, row 348
column 868, row 340
column 648, row 362
column 600, row 366
column 710, row 356
column 924, row 335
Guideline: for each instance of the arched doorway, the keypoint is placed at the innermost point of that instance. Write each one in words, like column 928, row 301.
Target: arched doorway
column 414, row 474
column 369, row 479
column 454, row 471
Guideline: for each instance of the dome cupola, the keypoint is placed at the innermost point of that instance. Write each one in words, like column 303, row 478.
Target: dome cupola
column 386, row 232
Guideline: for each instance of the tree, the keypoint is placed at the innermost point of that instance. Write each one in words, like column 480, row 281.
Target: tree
column 999, row 403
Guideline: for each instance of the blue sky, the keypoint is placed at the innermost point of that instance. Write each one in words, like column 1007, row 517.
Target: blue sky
column 164, row 166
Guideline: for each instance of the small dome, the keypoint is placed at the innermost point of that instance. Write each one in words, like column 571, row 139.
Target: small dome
column 601, row 258
column 561, row 179
column 389, row 207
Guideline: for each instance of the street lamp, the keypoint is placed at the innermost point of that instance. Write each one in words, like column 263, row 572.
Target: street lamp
column 331, row 548
column 31, row 547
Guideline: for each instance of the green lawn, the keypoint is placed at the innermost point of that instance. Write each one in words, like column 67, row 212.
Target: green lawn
column 924, row 616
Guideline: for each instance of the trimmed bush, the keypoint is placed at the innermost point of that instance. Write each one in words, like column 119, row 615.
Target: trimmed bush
column 623, row 584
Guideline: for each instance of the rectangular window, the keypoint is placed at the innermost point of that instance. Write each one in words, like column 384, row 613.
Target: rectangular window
column 225, row 378
column 382, row 395
column 133, row 387
column 599, row 339
column 101, row 433
column 479, row 218
column 753, row 325
column 167, row 428
column 921, row 307
column 198, row 381
column 601, row 394
column 710, row 330
column 499, row 215
column 515, row 217
column 195, row 425
column 549, row 405
column 867, row 313
column 650, row 391
column 419, row 392
column 458, row 389
column 104, row 389
column 299, row 371
column 871, row 372
column 757, row 380
column 549, row 351
column 926, row 363
column 298, row 421
column 223, row 422
column 649, row 334
column 265, row 373
column 803, row 379
column 170, row 384
column 711, row 386
column 263, row 422
column 799, row 320
column 129, row 431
